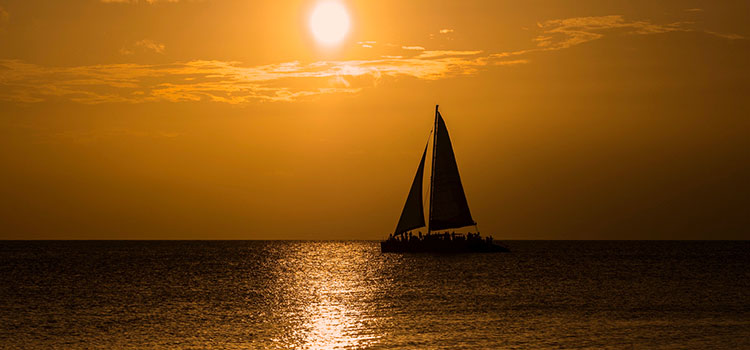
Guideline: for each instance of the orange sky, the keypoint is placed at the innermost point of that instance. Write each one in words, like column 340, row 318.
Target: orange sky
column 225, row 119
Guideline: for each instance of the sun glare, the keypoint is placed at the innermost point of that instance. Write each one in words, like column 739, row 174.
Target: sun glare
column 329, row 22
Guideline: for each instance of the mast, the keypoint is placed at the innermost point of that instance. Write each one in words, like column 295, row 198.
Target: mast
column 432, row 165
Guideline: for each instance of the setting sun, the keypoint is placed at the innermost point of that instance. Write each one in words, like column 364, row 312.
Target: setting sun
column 329, row 22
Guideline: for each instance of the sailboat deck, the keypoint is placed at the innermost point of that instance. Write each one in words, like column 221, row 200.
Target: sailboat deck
column 416, row 245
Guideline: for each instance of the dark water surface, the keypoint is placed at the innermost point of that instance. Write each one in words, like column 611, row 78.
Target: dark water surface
column 328, row 295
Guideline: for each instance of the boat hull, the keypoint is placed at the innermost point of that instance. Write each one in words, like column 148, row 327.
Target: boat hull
column 440, row 246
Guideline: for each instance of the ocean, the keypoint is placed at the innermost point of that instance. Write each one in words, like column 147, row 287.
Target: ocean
column 347, row 295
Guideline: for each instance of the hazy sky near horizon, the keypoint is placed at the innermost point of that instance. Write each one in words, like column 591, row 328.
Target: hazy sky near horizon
column 226, row 119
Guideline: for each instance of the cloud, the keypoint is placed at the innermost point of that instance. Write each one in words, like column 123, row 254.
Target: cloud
column 564, row 33
column 150, row 45
column 366, row 44
column 227, row 82
column 694, row 10
column 231, row 82
column 145, row 45
column 446, row 31
column 509, row 63
column 729, row 36
column 126, row 51
column 447, row 53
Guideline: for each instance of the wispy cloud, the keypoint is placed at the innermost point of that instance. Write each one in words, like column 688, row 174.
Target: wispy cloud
column 366, row 44
column 694, row 10
column 234, row 83
column 563, row 33
column 150, row 45
column 227, row 82
column 446, row 31
column 730, row 36
column 145, row 45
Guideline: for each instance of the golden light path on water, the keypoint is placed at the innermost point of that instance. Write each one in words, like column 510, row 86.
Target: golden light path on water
column 329, row 297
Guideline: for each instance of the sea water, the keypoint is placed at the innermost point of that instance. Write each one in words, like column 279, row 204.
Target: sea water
column 346, row 294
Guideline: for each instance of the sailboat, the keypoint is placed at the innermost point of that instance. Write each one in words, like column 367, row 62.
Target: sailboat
column 448, row 207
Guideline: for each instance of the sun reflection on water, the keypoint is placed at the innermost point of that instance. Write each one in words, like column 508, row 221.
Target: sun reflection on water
column 326, row 295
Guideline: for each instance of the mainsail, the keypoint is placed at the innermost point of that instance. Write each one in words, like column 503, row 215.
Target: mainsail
column 448, row 206
column 413, row 214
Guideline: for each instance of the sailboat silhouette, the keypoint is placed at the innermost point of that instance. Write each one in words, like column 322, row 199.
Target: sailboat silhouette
column 448, row 206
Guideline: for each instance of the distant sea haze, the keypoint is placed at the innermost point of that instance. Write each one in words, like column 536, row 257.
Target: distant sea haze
column 347, row 294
